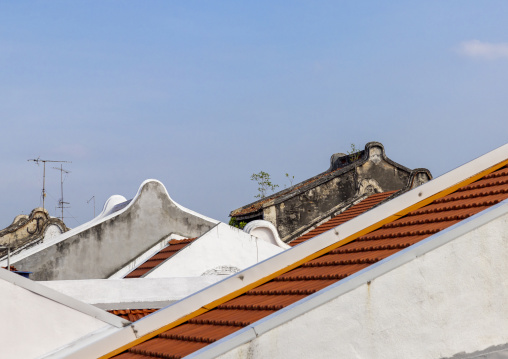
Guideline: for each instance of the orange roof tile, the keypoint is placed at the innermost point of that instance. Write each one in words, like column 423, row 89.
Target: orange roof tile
column 174, row 246
column 13, row 269
column 345, row 216
column 132, row 314
column 325, row 270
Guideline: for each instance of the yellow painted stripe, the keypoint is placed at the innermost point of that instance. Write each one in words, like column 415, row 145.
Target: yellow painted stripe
column 314, row 255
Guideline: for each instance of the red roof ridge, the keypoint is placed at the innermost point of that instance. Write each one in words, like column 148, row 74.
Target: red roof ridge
column 173, row 247
column 12, row 268
column 132, row 314
column 355, row 210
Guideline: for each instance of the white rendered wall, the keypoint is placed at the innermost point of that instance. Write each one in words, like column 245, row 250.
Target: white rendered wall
column 453, row 299
column 133, row 293
column 222, row 246
column 33, row 325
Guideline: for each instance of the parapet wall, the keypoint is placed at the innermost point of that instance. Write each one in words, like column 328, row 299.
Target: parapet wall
column 102, row 246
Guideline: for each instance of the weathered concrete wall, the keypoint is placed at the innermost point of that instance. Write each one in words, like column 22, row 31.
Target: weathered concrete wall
column 448, row 301
column 305, row 207
column 102, row 249
column 27, row 230
column 297, row 209
column 380, row 174
column 374, row 173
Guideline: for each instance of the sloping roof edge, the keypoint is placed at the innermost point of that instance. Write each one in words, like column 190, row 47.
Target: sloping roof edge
column 350, row 283
column 63, row 299
column 232, row 286
column 142, row 258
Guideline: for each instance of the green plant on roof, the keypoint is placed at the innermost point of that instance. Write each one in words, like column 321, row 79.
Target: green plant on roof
column 290, row 179
column 234, row 223
column 354, row 154
column 264, row 182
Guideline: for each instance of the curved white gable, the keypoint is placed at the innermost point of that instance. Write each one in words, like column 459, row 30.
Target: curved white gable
column 266, row 231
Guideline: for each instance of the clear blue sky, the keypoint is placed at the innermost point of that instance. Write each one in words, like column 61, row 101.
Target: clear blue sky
column 200, row 95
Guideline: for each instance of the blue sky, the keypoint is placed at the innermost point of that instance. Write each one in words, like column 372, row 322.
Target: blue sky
column 200, row 95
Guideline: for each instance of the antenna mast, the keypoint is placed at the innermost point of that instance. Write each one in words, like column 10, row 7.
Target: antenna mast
column 61, row 202
column 93, row 197
column 37, row 160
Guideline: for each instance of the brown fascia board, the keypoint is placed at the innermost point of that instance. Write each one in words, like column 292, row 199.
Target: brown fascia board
column 324, row 177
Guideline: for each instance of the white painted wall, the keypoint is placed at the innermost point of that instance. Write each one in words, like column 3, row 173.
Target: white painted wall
column 33, row 325
column 222, row 246
column 131, row 293
column 266, row 231
column 452, row 299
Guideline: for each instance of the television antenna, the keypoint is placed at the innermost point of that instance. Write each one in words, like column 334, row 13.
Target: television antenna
column 61, row 203
column 93, row 197
column 37, row 160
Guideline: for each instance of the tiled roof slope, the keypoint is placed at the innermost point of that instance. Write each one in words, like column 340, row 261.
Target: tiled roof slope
column 325, row 270
column 345, row 216
column 174, row 246
column 132, row 314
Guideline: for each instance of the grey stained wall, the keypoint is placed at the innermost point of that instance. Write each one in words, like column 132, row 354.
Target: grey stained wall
column 299, row 210
column 345, row 182
column 101, row 250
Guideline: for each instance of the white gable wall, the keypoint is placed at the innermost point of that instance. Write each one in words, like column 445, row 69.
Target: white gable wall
column 438, row 303
column 132, row 293
column 33, row 324
column 220, row 248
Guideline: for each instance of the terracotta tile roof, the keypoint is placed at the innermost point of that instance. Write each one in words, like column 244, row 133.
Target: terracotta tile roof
column 13, row 269
column 345, row 216
column 174, row 246
column 132, row 314
column 325, row 270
